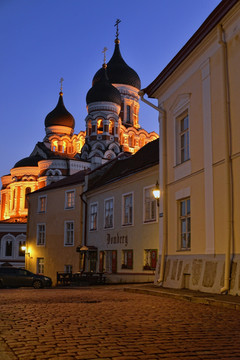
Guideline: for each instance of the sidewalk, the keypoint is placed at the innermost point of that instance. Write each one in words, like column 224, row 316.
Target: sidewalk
column 220, row 300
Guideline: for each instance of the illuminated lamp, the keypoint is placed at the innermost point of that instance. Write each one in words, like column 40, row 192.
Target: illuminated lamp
column 156, row 193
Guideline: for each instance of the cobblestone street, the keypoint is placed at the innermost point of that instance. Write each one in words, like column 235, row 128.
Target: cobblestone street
column 108, row 323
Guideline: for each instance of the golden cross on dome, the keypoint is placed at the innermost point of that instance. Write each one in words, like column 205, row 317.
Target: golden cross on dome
column 61, row 81
column 116, row 24
column 104, row 56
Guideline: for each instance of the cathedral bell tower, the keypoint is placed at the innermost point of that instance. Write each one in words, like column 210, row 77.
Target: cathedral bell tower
column 102, row 122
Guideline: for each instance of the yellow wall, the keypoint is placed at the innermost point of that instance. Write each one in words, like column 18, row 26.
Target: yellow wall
column 55, row 254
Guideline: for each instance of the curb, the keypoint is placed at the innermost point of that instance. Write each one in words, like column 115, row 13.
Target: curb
column 191, row 298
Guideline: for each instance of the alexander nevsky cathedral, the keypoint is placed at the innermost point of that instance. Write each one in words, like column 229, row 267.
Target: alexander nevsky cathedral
column 112, row 128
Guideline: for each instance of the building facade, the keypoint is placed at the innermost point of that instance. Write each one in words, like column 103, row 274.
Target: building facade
column 55, row 227
column 198, row 100
column 122, row 218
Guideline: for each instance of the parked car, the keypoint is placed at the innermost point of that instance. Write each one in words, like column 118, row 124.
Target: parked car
column 16, row 277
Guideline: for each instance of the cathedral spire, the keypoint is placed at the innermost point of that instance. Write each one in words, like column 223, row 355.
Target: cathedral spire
column 61, row 87
column 104, row 57
column 117, row 41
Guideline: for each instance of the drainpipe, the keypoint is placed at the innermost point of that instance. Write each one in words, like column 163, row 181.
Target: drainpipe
column 228, row 158
column 162, row 180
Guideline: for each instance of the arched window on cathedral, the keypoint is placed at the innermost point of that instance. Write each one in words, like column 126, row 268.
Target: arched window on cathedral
column 100, row 126
column 64, row 147
column 122, row 111
column 89, row 128
column 128, row 114
column 111, row 127
column 27, row 191
column 54, row 146
column 131, row 141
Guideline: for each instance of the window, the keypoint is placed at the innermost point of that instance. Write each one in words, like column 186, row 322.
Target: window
column 41, row 234
column 127, row 204
column 100, row 126
column 185, row 224
column 9, row 248
column 127, row 259
column 128, row 114
column 93, row 216
column 182, row 138
column 68, row 268
column 150, row 205
column 27, row 191
column 42, row 204
column 69, row 233
column 108, row 213
column 40, row 265
column 70, row 199
column 150, row 259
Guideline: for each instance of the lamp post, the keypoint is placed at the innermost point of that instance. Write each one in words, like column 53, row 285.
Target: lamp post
column 157, row 193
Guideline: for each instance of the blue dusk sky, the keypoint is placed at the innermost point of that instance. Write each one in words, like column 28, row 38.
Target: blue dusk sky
column 44, row 40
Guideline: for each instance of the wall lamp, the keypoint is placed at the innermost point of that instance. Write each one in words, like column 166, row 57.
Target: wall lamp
column 156, row 193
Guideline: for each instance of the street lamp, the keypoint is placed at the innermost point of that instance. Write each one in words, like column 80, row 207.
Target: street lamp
column 156, row 193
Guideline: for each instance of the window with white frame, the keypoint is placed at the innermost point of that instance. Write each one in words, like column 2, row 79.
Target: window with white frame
column 41, row 234
column 69, row 233
column 70, row 199
column 182, row 127
column 93, row 216
column 185, row 224
column 21, row 247
column 42, row 204
column 108, row 213
column 40, row 265
column 150, row 205
column 127, row 209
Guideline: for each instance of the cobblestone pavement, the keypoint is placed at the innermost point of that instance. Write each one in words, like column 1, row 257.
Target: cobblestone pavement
column 108, row 323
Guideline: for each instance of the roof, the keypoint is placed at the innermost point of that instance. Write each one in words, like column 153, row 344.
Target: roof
column 74, row 179
column 212, row 20
column 146, row 157
column 103, row 90
column 118, row 71
column 60, row 115
column 29, row 161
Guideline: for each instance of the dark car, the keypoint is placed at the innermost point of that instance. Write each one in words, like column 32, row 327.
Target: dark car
column 16, row 277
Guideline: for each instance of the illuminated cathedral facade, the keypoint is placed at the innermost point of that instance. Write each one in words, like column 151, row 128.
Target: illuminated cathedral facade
column 112, row 128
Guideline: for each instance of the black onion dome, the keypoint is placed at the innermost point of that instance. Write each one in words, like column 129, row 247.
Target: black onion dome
column 102, row 90
column 118, row 71
column 60, row 115
column 28, row 161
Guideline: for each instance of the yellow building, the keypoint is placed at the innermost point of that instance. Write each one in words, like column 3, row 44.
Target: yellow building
column 198, row 102
column 122, row 217
column 55, row 227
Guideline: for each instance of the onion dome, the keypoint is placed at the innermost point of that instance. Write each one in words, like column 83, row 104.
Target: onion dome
column 118, row 71
column 60, row 115
column 102, row 90
column 28, row 161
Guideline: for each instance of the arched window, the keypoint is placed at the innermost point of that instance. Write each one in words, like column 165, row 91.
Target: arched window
column 7, row 246
column 27, row 191
column 131, row 141
column 89, row 128
column 100, row 126
column 111, row 127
